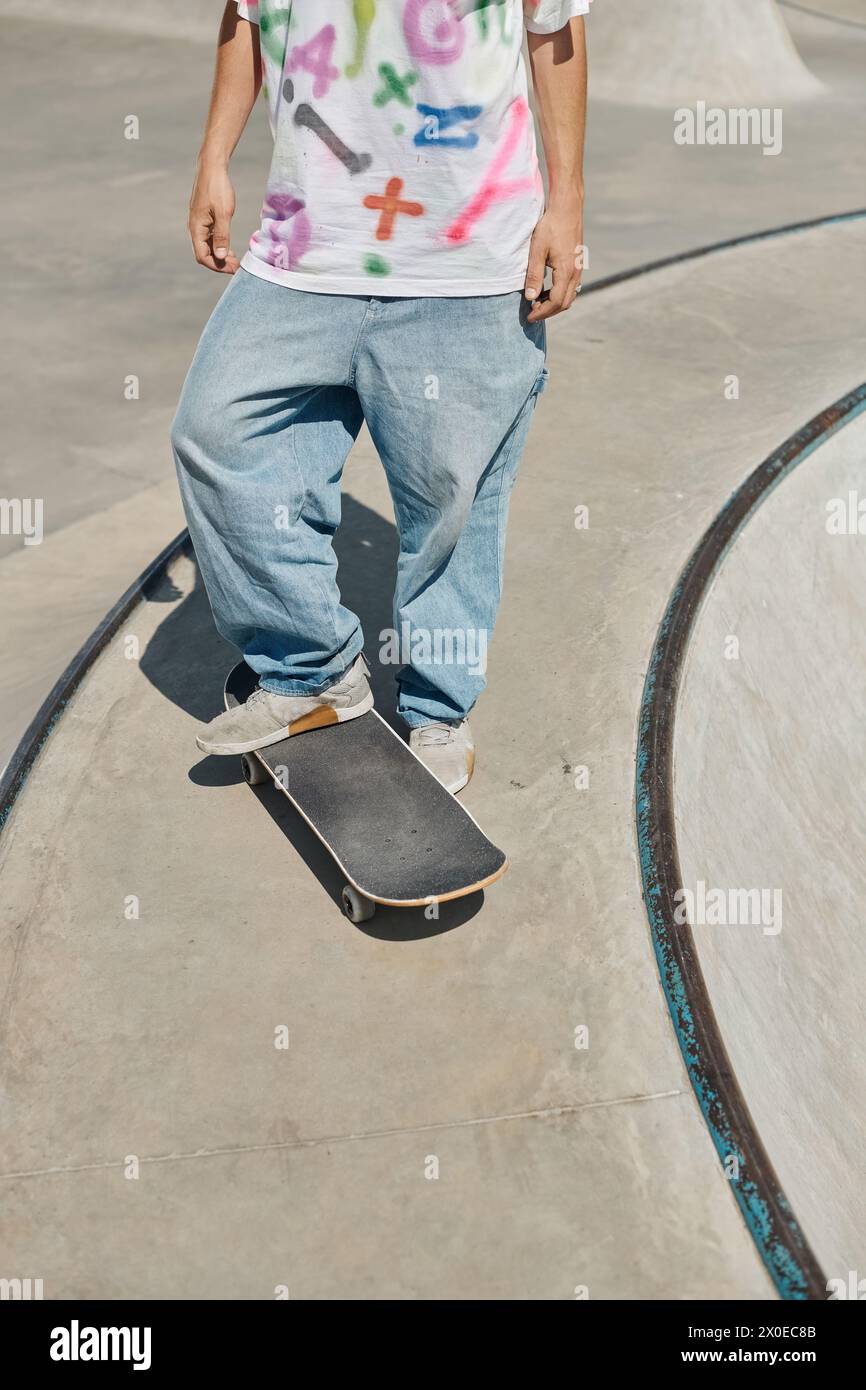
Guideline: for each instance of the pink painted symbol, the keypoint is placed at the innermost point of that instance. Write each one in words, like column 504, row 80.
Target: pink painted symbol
column 286, row 230
column 433, row 32
column 495, row 188
column 316, row 57
column 389, row 205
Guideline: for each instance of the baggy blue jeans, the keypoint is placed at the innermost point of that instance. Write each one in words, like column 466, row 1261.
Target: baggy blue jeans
column 276, row 395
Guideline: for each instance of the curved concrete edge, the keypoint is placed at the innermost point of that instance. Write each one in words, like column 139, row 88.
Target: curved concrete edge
column 772, row 700
column 830, row 16
column 766, row 1210
column 39, row 730
column 740, row 53
column 698, row 252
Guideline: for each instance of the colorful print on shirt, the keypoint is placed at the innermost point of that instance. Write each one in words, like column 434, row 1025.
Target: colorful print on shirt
column 404, row 148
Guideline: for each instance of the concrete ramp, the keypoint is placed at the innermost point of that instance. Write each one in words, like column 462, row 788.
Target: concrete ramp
column 213, row 1084
column 769, row 801
column 678, row 52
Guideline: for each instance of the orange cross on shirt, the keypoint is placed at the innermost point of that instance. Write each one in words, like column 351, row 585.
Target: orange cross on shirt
column 390, row 204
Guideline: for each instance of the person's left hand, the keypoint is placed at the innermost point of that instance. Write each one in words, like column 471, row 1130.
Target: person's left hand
column 556, row 242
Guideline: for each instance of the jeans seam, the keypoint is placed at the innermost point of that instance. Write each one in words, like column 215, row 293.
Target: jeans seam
column 531, row 400
column 353, row 360
column 293, row 441
column 509, row 451
column 327, row 606
column 508, row 446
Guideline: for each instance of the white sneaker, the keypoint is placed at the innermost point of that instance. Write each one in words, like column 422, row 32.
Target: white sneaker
column 268, row 718
column 446, row 750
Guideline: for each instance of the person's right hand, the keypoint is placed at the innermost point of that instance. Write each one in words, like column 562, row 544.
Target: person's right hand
column 211, row 209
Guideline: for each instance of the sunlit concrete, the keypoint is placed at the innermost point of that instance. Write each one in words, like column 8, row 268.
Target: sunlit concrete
column 153, row 1037
column 193, row 19
column 410, row 1041
column 769, row 797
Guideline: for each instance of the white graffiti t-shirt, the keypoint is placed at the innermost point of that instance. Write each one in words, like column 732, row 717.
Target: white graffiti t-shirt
column 404, row 148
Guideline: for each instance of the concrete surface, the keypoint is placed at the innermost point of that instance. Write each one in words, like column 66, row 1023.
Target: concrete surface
column 768, row 795
column 695, row 50
column 123, row 299
column 197, row 20
column 408, row 1040
column 155, row 1037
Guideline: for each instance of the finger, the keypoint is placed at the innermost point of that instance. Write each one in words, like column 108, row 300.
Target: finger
column 204, row 255
column 571, row 293
column 199, row 234
column 202, row 239
column 220, row 235
column 541, row 310
column 536, row 269
column 226, row 267
column 563, row 273
column 554, row 301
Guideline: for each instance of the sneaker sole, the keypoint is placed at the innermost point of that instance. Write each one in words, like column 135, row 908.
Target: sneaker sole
column 320, row 718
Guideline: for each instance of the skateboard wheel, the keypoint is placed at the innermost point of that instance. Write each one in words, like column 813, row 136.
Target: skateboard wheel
column 356, row 907
column 253, row 771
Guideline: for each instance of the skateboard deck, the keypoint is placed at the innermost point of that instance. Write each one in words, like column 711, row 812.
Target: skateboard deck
column 395, row 832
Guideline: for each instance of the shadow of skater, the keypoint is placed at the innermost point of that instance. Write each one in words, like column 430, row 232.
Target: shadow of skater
column 187, row 660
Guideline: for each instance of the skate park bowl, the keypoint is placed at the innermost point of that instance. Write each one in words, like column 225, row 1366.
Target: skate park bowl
column 735, row 53
column 634, row 1065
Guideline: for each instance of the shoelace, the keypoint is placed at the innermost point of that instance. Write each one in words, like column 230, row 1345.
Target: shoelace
column 435, row 734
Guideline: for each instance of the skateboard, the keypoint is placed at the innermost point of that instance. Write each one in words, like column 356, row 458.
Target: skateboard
column 392, row 829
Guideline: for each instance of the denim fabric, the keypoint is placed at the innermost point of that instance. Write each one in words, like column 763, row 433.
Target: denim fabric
column 277, row 392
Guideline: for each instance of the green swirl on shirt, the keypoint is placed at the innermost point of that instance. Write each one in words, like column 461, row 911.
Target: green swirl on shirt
column 482, row 8
column 274, row 24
